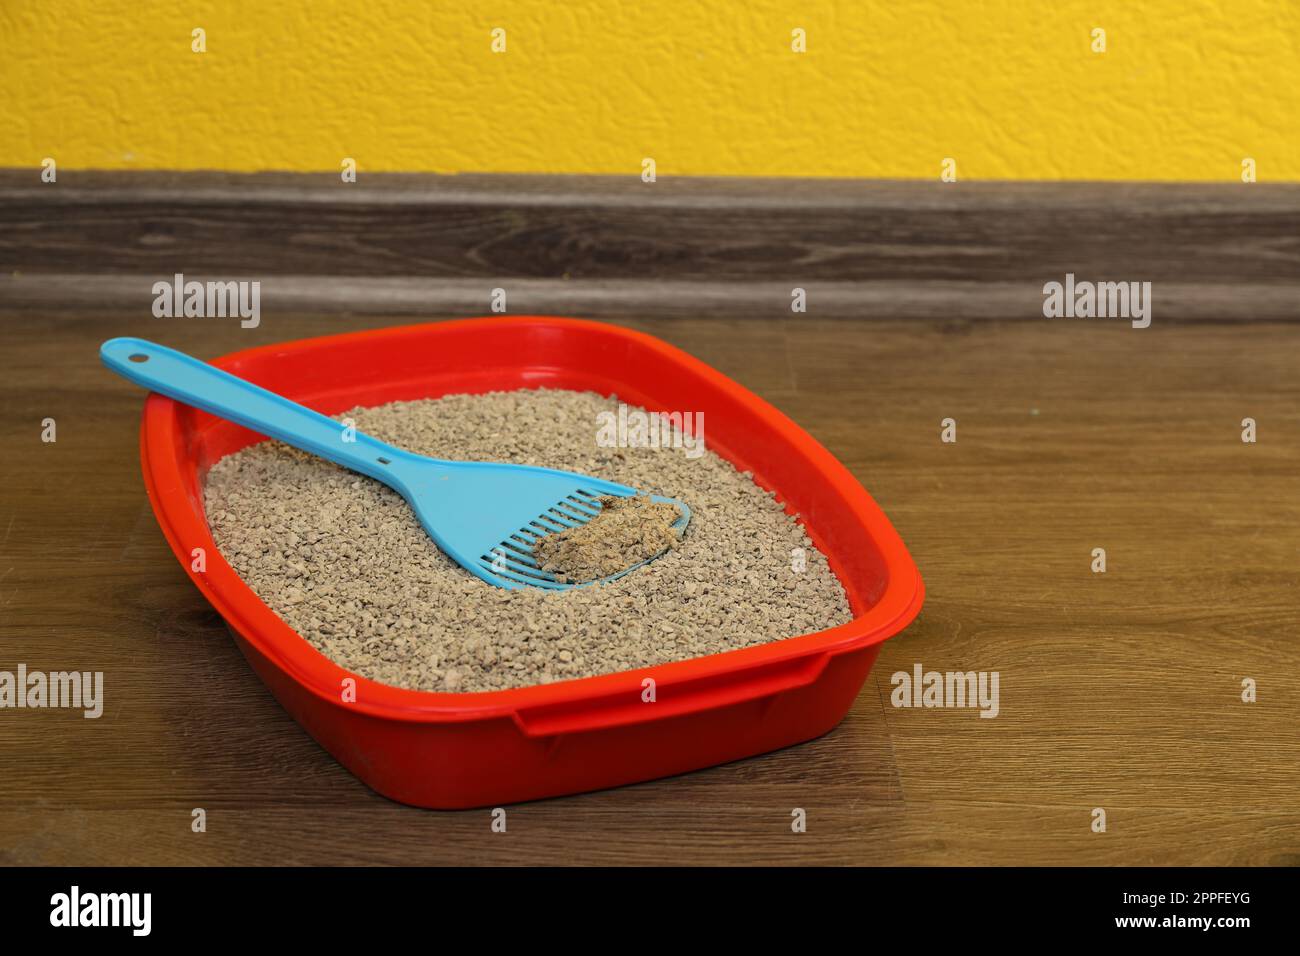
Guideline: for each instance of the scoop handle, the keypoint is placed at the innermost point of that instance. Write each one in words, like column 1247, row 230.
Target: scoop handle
column 194, row 382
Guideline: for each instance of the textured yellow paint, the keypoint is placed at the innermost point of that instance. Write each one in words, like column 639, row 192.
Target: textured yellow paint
column 1186, row 89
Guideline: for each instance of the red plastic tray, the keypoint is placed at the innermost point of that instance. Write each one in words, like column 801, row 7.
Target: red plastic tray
column 466, row 750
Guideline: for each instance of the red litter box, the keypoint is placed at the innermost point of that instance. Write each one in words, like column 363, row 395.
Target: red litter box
column 468, row 750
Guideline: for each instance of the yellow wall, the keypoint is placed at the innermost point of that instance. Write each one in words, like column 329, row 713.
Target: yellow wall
column 888, row 88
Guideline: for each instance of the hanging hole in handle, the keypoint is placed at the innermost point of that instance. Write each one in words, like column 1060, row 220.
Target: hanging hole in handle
column 383, row 461
column 138, row 357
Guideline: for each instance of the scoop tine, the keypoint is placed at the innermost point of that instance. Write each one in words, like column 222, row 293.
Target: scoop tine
column 520, row 575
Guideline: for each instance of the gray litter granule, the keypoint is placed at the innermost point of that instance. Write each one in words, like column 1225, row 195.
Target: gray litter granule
column 342, row 559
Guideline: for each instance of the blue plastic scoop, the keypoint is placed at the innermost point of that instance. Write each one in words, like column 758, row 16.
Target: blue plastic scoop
column 486, row 516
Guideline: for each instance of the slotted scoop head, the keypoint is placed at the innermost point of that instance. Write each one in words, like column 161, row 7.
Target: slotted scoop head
column 486, row 516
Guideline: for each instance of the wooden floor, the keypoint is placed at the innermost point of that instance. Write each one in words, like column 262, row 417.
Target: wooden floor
column 1119, row 690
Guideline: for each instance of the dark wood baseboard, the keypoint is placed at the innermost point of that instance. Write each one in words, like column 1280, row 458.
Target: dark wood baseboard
column 602, row 246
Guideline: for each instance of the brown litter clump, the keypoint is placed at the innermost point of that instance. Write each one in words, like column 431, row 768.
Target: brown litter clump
column 343, row 561
column 626, row 532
